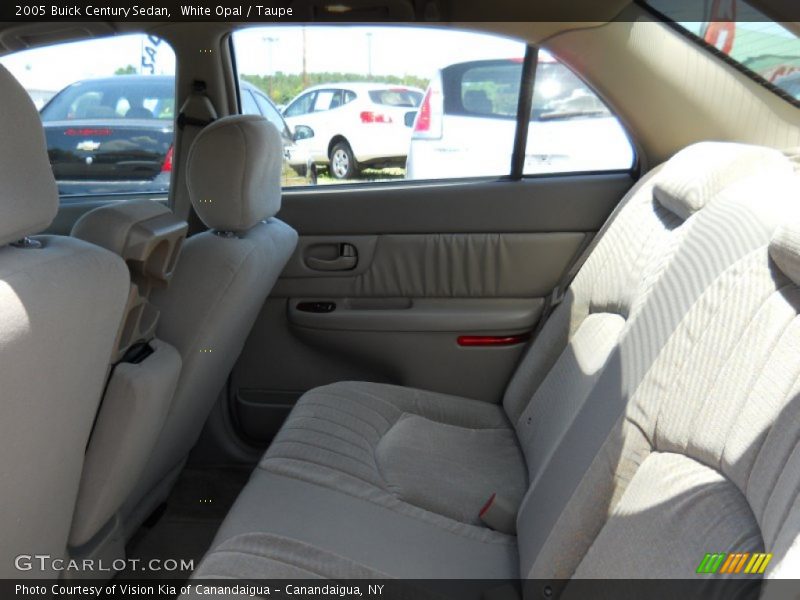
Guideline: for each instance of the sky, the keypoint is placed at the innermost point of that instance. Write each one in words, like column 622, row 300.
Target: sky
column 394, row 50
column 264, row 50
column 383, row 50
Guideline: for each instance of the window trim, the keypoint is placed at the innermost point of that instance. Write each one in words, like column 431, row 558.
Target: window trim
column 524, row 107
column 714, row 51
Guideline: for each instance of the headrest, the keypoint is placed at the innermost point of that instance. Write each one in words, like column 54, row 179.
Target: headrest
column 696, row 174
column 234, row 172
column 784, row 248
column 28, row 192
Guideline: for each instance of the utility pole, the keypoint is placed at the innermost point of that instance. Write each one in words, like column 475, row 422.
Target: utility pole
column 369, row 54
column 305, row 73
column 270, row 64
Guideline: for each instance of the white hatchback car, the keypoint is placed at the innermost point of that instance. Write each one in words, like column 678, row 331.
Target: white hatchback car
column 356, row 124
column 471, row 107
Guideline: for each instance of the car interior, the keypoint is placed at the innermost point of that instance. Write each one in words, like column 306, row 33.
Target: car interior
column 545, row 378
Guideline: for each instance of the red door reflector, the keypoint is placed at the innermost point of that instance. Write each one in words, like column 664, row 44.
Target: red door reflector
column 493, row 340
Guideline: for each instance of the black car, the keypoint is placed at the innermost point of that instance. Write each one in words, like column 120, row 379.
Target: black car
column 115, row 134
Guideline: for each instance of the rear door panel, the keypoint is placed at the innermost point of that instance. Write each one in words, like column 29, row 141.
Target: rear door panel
column 433, row 262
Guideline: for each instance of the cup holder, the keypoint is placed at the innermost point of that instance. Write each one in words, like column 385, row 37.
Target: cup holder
column 148, row 236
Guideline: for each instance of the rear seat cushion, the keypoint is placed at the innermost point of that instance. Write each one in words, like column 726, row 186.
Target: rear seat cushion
column 250, row 554
column 369, row 439
column 461, row 465
column 377, row 537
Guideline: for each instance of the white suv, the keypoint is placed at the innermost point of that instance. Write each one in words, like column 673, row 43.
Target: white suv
column 356, row 124
column 468, row 117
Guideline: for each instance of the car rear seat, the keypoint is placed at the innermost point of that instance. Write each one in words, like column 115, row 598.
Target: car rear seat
column 669, row 373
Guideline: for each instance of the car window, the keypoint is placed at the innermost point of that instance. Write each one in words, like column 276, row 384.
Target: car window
column 445, row 107
column 486, row 90
column 123, row 97
column 301, row 106
column 759, row 46
column 571, row 128
column 270, row 112
column 108, row 109
column 396, row 97
column 249, row 106
column 324, row 100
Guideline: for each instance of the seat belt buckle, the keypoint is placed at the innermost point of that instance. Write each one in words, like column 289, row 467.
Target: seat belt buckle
column 498, row 514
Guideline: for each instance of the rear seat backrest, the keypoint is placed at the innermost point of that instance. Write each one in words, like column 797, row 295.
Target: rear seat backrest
column 682, row 393
column 565, row 363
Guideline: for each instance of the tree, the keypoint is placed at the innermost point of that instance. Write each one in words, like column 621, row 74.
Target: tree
column 282, row 87
column 129, row 70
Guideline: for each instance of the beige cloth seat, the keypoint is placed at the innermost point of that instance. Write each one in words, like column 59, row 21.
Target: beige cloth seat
column 683, row 314
column 449, row 455
column 61, row 303
column 219, row 285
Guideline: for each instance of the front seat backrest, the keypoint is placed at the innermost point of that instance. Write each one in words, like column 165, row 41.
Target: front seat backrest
column 221, row 280
column 61, row 302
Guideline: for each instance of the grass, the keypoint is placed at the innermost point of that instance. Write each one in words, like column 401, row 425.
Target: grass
column 291, row 179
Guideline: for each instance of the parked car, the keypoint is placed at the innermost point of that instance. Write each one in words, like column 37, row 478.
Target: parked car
column 356, row 124
column 114, row 134
column 471, row 106
column 255, row 102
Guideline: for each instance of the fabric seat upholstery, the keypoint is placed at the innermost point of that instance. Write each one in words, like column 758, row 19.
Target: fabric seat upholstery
column 372, row 438
column 220, row 282
column 548, row 389
column 657, row 403
column 61, row 303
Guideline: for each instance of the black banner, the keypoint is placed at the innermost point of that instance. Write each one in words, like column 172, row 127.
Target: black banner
column 698, row 588
column 287, row 11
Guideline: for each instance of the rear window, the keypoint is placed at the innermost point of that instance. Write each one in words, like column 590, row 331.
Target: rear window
column 492, row 90
column 125, row 97
column 560, row 94
column 401, row 98
column 760, row 47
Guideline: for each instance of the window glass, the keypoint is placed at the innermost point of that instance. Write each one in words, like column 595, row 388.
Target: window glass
column 762, row 47
column 571, row 129
column 301, row 106
column 270, row 112
column 444, row 107
column 108, row 108
column 490, row 89
column 396, row 97
column 249, row 106
column 361, row 100
column 323, row 100
column 473, row 106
